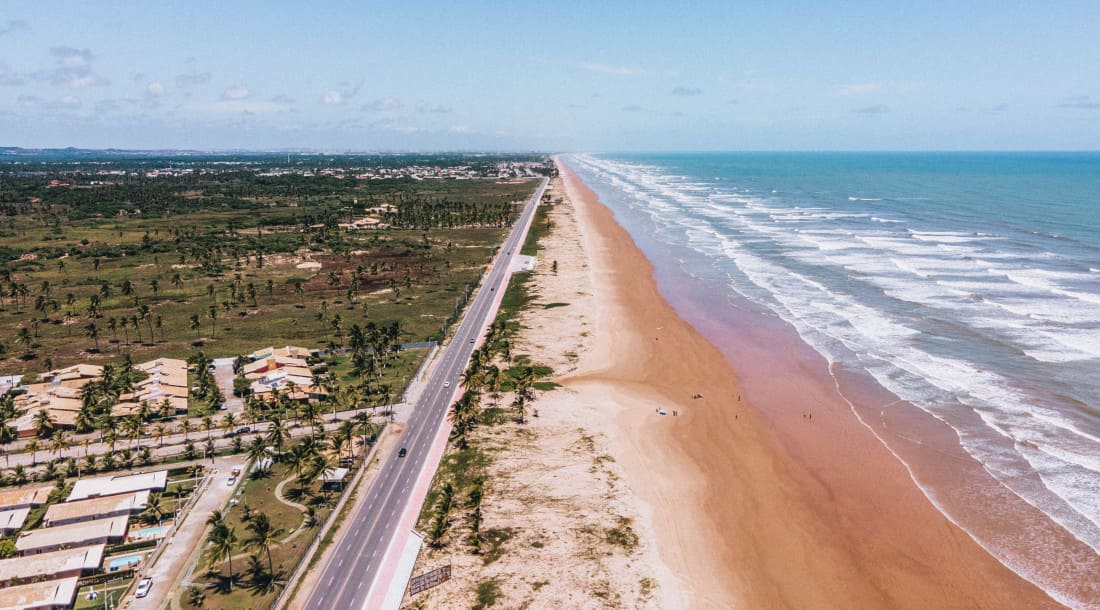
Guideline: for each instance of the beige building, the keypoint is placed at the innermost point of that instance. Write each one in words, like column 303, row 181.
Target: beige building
column 24, row 497
column 46, row 595
column 58, row 392
column 46, row 539
column 96, row 508
column 283, row 368
column 95, row 487
column 56, row 564
column 167, row 380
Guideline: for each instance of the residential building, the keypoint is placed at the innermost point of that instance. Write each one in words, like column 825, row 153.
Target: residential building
column 55, row 564
column 111, row 485
column 46, row 595
column 46, row 539
column 96, row 508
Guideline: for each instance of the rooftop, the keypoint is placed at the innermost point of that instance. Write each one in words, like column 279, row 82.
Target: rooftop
column 109, row 486
column 55, row 562
column 13, row 518
column 72, row 534
column 46, row 594
column 24, row 496
column 96, row 507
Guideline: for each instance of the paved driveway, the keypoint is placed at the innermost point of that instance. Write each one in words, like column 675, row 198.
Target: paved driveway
column 188, row 536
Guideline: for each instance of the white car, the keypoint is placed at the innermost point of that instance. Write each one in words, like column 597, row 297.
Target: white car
column 144, row 587
column 446, row 384
column 231, row 481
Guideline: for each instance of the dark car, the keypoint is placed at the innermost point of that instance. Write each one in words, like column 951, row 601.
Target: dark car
column 244, row 430
column 402, row 453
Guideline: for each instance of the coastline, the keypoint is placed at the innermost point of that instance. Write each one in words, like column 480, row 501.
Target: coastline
column 791, row 511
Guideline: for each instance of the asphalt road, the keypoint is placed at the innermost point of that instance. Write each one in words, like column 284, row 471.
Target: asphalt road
column 354, row 565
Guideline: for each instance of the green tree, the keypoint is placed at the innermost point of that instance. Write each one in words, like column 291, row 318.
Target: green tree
column 43, row 423
column 262, row 535
column 222, row 541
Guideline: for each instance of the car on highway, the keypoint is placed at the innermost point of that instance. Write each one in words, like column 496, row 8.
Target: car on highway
column 471, row 341
column 144, row 587
column 244, row 430
column 402, row 453
column 446, row 384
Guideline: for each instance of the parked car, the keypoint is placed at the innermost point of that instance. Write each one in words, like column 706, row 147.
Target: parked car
column 231, row 481
column 144, row 587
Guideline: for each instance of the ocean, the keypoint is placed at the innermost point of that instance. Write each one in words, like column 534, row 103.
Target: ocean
column 967, row 284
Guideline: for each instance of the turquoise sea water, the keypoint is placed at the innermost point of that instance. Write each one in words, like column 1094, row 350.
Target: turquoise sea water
column 965, row 283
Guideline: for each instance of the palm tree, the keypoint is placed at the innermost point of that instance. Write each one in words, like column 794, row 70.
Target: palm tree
column 257, row 449
column 60, row 442
column 153, row 508
column 165, row 409
column 159, row 432
column 185, row 427
column 32, row 446
column 346, row 432
column 132, row 428
column 43, row 423
column 229, row 421
column 277, row 433
column 464, row 416
column 92, row 332
column 263, row 535
column 223, row 541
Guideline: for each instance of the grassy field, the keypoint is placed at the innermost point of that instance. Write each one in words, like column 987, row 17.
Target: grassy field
column 164, row 276
column 258, row 495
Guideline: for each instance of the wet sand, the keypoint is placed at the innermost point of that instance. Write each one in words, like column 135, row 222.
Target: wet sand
column 767, row 492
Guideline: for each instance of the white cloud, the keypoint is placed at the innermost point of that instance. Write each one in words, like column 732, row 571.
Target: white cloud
column 236, row 93
column 73, row 68
column 385, row 104
column 607, row 69
column 332, row 97
column 155, row 89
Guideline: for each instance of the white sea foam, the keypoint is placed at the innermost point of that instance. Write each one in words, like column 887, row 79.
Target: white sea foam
column 995, row 287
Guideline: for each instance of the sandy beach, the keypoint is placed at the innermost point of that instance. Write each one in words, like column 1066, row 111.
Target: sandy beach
column 778, row 499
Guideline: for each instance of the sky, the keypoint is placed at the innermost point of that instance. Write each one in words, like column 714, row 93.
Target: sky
column 599, row 75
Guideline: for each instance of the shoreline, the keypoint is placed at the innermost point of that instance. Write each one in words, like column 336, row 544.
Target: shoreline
column 789, row 513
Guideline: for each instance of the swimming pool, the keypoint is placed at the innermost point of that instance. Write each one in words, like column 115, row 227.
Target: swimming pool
column 119, row 563
column 149, row 532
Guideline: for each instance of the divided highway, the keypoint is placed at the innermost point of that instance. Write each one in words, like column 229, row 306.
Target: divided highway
column 359, row 559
